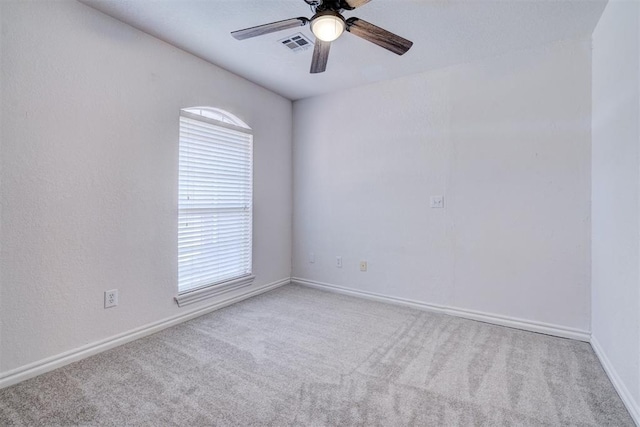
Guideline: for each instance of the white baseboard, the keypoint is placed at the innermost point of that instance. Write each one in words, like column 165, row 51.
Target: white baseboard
column 49, row 364
column 511, row 322
column 632, row 406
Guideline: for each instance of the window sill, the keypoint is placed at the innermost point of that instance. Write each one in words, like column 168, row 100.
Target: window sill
column 197, row 295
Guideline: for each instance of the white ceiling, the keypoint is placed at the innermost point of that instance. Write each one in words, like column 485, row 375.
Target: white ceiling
column 444, row 32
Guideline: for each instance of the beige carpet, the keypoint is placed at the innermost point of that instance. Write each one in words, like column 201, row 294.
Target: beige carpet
column 298, row 356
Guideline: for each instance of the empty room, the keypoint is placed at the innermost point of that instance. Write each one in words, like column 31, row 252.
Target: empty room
column 319, row 213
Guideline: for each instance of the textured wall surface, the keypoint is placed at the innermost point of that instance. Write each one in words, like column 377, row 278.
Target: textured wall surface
column 616, row 192
column 507, row 142
column 89, row 161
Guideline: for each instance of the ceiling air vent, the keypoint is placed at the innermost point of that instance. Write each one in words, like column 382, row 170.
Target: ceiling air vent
column 296, row 42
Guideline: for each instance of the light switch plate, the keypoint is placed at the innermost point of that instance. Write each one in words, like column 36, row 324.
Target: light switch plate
column 437, row 202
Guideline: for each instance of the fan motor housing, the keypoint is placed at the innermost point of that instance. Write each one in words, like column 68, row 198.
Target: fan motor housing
column 335, row 5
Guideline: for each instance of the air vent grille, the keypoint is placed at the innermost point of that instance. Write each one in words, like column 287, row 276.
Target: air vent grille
column 296, row 42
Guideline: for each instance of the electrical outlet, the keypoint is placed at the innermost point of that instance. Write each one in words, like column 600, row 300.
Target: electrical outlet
column 339, row 261
column 110, row 298
column 363, row 265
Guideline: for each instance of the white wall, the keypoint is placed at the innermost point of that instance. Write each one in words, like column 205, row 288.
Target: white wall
column 506, row 140
column 615, row 197
column 89, row 175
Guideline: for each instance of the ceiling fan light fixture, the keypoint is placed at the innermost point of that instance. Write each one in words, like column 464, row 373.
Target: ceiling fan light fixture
column 327, row 26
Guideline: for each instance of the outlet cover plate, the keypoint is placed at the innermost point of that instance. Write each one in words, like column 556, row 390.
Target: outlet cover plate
column 110, row 298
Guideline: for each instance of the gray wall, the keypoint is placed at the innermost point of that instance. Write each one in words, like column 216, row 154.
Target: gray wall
column 89, row 165
column 616, row 196
column 506, row 140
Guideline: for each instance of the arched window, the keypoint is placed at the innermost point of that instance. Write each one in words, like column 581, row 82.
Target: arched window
column 217, row 114
column 215, row 200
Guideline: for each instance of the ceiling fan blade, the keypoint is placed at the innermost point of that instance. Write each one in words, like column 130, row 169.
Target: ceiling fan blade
column 379, row 36
column 320, row 56
column 269, row 28
column 356, row 3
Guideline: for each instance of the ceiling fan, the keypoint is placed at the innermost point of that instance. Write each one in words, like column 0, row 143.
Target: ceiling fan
column 327, row 24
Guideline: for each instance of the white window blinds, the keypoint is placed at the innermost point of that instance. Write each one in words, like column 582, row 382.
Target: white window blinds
column 215, row 202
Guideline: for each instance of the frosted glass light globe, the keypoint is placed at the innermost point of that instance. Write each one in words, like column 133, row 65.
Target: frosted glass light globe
column 327, row 27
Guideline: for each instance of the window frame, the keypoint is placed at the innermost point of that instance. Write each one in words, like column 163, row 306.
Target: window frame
column 231, row 122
